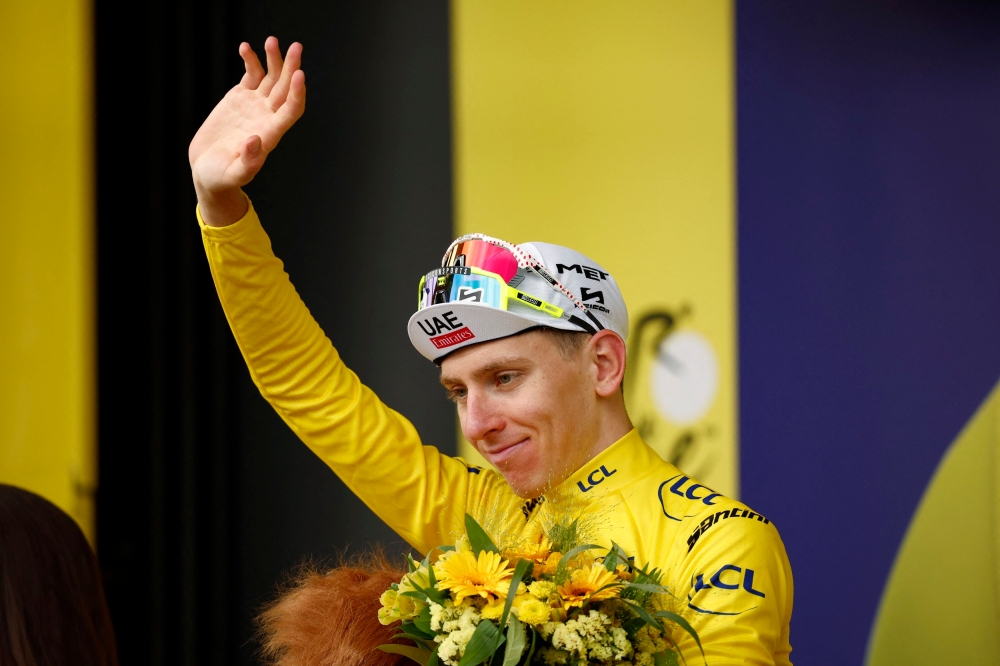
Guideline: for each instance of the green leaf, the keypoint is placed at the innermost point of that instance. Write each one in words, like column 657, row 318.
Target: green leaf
column 531, row 650
column 565, row 560
column 620, row 552
column 658, row 589
column 632, row 626
column 433, row 660
column 423, row 621
column 419, row 655
column 519, row 570
column 478, row 538
column 644, row 614
column 685, row 625
column 432, row 593
column 608, row 587
column 431, row 578
column 416, row 594
column 416, row 632
column 411, row 563
column 670, row 639
column 517, row 640
column 483, row 644
column 668, row 658
column 615, row 555
column 611, row 560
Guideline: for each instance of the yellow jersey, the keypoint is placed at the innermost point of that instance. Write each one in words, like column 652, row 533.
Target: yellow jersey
column 725, row 564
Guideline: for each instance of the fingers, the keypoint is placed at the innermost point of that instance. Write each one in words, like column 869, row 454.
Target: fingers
column 252, row 155
column 295, row 102
column 293, row 60
column 273, row 53
column 255, row 73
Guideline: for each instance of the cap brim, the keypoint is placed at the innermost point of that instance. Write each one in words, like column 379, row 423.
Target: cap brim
column 439, row 330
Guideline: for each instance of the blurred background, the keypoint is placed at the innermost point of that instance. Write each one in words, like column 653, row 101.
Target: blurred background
column 799, row 201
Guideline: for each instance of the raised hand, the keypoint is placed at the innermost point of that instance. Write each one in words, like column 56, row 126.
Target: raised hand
column 233, row 142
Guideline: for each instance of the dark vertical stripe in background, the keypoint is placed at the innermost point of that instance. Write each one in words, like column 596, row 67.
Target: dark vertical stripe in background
column 869, row 268
column 206, row 498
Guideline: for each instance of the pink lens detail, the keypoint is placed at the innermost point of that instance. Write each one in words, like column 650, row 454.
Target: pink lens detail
column 499, row 260
column 489, row 257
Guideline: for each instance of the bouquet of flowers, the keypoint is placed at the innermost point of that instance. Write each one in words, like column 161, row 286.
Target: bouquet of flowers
column 552, row 600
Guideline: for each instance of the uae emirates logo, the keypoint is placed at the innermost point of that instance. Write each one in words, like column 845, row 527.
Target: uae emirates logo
column 453, row 338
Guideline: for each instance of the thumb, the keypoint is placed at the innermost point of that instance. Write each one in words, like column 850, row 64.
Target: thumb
column 252, row 154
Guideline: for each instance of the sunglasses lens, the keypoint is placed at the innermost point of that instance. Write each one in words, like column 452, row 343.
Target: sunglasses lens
column 486, row 256
column 456, row 287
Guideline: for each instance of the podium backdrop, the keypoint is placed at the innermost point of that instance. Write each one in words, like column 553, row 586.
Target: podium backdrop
column 799, row 200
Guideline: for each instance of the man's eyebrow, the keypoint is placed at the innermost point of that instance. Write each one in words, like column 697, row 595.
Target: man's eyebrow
column 499, row 364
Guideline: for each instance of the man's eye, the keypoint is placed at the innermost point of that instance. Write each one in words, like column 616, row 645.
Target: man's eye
column 457, row 393
column 507, row 378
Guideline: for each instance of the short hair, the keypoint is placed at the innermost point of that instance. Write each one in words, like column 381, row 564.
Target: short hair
column 569, row 343
column 53, row 605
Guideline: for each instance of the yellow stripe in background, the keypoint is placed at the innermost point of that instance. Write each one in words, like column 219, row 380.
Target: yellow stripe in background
column 608, row 127
column 46, row 263
column 941, row 604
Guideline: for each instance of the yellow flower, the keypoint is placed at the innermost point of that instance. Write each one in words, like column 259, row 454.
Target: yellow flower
column 537, row 551
column 493, row 610
column 387, row 614
column 585, row 586
column 542, row 589
column 397, row 607
column 466, row 576
column 549, row 566
column 530, row 610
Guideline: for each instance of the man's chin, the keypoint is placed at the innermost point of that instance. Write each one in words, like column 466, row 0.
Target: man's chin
column 523, row 483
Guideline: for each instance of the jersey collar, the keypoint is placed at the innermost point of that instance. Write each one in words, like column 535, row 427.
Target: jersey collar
column 612, row 469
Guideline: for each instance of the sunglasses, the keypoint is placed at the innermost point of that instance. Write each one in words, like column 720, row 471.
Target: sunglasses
column 479, row 269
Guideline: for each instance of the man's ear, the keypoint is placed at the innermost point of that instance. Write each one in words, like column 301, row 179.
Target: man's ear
column 607, row 353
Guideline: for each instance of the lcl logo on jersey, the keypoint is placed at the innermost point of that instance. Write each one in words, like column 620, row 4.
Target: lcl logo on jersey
column 728, row 577
column 680, row 487
column 595, row 478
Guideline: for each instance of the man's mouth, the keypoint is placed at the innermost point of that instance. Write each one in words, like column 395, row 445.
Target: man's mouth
column 505, row 452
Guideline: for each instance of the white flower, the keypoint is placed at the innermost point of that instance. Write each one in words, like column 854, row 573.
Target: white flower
column 619, row 638
column 590, row 637
column 438, row 613
column 457, row 630
column 552, row 657
column 566, row 638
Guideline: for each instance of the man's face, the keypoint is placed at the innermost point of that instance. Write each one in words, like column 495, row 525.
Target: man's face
column 525, row 406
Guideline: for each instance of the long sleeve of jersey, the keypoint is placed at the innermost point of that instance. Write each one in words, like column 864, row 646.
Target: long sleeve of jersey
column 377, row 452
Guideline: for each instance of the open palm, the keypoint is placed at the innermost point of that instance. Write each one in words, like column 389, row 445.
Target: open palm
column 233, row 142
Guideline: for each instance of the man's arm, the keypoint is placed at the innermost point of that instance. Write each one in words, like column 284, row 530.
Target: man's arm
column 375, row 451
column 236, row 138
column 735, row 587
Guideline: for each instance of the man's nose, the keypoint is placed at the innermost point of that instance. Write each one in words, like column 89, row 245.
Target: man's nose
column 481, row 417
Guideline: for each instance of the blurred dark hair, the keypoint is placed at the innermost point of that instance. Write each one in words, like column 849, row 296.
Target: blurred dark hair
column 330, row 618
column 52, row 607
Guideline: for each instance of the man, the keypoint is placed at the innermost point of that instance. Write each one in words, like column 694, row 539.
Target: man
column 536, row 377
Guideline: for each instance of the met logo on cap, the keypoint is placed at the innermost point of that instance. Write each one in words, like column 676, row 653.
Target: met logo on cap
column 586, row 271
